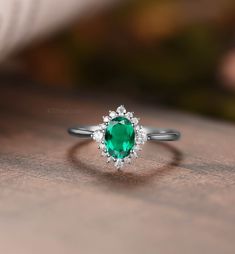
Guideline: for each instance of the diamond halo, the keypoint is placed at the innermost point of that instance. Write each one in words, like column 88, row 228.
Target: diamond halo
column 140, row 136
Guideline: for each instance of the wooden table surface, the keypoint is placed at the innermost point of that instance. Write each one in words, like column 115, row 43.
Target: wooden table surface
column 57, row 195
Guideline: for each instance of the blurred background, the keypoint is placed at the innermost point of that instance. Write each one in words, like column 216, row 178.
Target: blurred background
column 180, row 54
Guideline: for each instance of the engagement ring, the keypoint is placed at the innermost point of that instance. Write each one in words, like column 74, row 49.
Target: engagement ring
column 120, row 136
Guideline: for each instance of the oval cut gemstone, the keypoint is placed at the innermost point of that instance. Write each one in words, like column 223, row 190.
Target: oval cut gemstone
column 119, row 137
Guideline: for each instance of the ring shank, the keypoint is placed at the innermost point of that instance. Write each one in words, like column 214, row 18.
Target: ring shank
column 158, row 134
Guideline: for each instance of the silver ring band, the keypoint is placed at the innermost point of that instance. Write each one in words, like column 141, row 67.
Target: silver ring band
column 158, row 134
column 120, row 136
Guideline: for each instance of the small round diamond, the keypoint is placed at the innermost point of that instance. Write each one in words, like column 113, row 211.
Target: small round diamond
column 135, row 120
column 102, row 126
column 121, row 110
column 102, row 146
column 103, row 154
column 127, row 160
column 98, row 135
column 137, row 148
column 112, row 114
column 129, row 115
column 106, row 119
column 119, row 163
column 141, row 136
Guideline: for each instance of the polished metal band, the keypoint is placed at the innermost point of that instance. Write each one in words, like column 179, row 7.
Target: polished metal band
column 152, row 133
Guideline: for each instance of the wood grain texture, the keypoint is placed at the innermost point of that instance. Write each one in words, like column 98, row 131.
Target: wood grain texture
column 57, row 195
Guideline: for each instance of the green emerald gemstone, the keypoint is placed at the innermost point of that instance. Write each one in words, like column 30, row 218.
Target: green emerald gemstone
column 119, row 137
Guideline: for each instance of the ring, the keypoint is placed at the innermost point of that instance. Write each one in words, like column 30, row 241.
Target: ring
column 120, row 136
